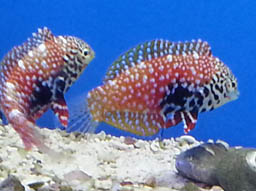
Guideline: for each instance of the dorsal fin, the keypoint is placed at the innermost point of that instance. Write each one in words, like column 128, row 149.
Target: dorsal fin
column 190, row 47
column 42, row 35
column 154, row 49
column 18, row 52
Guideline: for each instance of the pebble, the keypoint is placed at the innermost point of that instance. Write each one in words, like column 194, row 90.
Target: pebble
column 186, row 138
column 78, row 175
column 36, row 185
column 107, row 156
column 155, row 146
column 139, row 144
column 120, row 146
column 161, row 189
column 103, row 184
column 225, row 144
column 129, row 141
column 11, row 183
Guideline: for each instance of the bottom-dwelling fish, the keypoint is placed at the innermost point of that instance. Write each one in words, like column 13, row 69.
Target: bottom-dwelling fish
column 234, row 169
column 34, row 78
column 157, row 85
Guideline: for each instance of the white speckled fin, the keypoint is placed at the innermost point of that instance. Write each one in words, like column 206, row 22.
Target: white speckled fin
column 142, row 124
column 40, row 37
column 155, row 49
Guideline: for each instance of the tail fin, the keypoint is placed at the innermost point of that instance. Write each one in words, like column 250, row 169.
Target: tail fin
column 30, row 135
column 80, row 118
column 27, row 130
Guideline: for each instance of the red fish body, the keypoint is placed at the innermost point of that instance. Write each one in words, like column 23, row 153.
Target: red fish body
column 34, row 78
column 158, row 84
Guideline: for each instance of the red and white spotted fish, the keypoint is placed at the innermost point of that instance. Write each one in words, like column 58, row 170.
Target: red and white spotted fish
column 34, row 78
column 157, row 85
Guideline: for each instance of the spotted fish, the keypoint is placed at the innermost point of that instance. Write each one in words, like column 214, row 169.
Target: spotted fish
column 34, row 78
column 157, row 85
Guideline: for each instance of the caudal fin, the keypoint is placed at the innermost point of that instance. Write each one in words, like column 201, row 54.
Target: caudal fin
column 27, row 130
column 80, row 118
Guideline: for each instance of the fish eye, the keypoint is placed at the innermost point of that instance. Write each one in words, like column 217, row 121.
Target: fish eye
column 233, row 84
column 85, row 52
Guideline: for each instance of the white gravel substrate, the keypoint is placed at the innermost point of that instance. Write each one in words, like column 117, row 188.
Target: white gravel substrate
column 94, row 162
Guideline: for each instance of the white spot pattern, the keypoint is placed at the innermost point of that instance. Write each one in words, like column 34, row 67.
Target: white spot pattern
column 151, row 81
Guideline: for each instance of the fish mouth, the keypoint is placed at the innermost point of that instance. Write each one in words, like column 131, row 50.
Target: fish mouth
column 233, row 95
column 92, row 53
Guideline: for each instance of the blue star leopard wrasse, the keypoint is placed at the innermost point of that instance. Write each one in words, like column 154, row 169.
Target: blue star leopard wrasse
column 156, row 85
column 34, row 78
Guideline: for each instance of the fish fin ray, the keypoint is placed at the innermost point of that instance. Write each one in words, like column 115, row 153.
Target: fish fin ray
column 80, row 118
column 42, row 35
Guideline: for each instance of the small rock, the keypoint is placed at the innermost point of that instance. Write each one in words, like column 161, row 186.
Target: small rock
column 129, row 140
column 107, row 156
column 77, row 175
column 210, row 141
column 103, row 184
column 65, row 188
column 161, row 189
column 101, row 135
column 11, row 184
column 140, row 144
column 127, row 188
column 216, row 188
column 190, row 187
column 120, row 146
column 186, row 138
column 36, row 185
column 225, row 144
column 155, row 146
column 151, row 181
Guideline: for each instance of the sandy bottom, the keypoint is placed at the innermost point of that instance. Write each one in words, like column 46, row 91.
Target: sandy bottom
column 94, row 162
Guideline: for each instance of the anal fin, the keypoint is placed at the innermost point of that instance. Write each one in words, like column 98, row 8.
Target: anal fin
column 60, row 109
column 138, row 123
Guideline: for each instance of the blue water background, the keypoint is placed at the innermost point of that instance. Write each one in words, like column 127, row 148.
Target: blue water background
column 113, row 26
